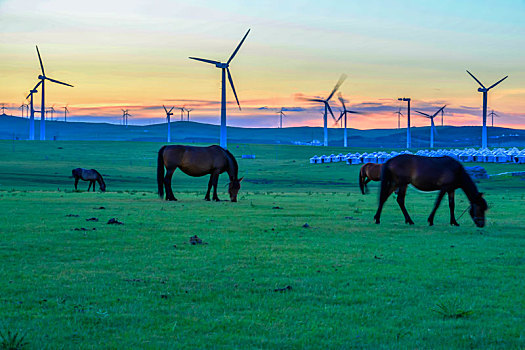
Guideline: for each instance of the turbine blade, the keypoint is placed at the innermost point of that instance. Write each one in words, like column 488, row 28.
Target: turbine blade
column 336, row 87
column 439, row 110
column 342, row 100
column 353, row 112
column 171, row 109
column 233, row 87
column 330, row 110
column 40, row 59
column 479, row 82
column 426, row 115
column 204, row 60
column 497, row 83
column 238, row 47
column 58, row 82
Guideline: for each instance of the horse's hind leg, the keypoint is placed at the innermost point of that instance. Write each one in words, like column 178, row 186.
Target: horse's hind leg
column 365, row 185
column 215, row 181
column 167, row 185
column 433, row 213
column 383, row 196
column 451, row 205
column 401, row 201
column 89, row 187
column 210, row 183
column 94, row 182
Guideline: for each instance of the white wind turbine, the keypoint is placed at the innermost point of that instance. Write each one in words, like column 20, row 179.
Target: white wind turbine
column 32, row 111
column 485, row 90
column 225, row 68
column 43, row 78
column 327, row 107
column 168, row 117
column 343, row 114
column 281, row 115
column 433, row 130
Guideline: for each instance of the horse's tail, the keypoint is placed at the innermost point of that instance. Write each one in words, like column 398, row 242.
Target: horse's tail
column 160, row 171
column 386, row 183
column 362, row 180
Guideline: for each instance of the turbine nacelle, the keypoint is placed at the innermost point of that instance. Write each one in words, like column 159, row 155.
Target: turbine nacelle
column 222, row 65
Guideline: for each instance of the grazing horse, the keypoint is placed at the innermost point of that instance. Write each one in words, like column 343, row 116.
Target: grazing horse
column 197, row 161
column 443, row 174
column 90, row 175
column 369, row 172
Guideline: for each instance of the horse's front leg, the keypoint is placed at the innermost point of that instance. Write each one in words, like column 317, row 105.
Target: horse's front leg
column 452, row 205
column 215, row 181
column 433, row 213
column 94, row 182
column 401, row 201
column 89, row 187
column 76, row 183
column 210, row 183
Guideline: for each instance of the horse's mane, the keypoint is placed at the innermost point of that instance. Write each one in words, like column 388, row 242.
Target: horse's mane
column 233, row 161
column 99, row 175
column 468, row 186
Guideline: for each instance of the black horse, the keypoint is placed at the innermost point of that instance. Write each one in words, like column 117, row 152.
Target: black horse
column 443, row 174
column 90, row 175
column 197, row 161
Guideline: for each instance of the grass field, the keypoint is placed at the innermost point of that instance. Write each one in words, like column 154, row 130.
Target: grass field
column 353, row 284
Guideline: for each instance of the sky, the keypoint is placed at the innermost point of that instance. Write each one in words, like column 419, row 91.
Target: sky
column 133, row 55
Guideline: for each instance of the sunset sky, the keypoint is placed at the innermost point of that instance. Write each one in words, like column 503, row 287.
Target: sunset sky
column 134, row 54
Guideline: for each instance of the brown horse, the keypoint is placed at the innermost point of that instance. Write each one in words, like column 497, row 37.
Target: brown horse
column 90, row 175
column 197, row 161
column 369, row 172
column 443, row 174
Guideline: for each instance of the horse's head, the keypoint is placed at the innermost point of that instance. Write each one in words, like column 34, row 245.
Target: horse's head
column 233, row 188
column 477, row 210
column 102, row 184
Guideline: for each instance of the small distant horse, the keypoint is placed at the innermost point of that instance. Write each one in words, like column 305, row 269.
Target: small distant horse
column 369, row 172
column 443, row 174
column 197, row 161
column 90, row 175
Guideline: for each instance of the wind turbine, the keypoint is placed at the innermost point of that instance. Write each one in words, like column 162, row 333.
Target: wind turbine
column 225, row 68
column 409, row 139
column 399, row 115
column 22, row 107
column 52, row 111
column 182, row 109
column 281, row 115
column 432, row 125
column 32, row 111
column 485, row 90
column 125, row 116
column 493, row 114
column 327, row 106
column 168, row 116
column 3, row 108
column 43, row 78
column 188, row 112
column 66, row 111
column 343, row 114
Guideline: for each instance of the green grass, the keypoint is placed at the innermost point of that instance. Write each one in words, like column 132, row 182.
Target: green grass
column 353, row 284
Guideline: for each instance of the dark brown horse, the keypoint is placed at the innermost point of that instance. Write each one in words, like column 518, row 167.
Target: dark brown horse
column 443, row 174
column 197, row 161
column 369, row 172
column 90, row 175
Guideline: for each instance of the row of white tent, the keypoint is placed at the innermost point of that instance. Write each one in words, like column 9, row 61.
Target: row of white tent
column 498, row 155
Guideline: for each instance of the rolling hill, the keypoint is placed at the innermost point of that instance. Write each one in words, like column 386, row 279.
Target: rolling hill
column 192, row 132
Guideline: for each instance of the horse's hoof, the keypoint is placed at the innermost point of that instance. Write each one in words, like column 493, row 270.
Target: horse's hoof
column 454, row 224
column 207, row 199
column 172, row 199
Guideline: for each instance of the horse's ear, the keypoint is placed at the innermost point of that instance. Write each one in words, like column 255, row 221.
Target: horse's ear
column 240, row 180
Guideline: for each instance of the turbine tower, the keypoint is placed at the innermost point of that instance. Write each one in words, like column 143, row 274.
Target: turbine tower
column 485, row 91
column 43, row 78
column 327, row 107
column 66, row 111
column 343, row 114
column 225, row 68
column 281, row 115
column 188, row 112
column 409, row 140
column 32, row 111
column 493, row 114
column 168, row 116
column 432, row 125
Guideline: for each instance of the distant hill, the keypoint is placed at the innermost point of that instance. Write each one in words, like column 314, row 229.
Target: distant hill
column 192, row 132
